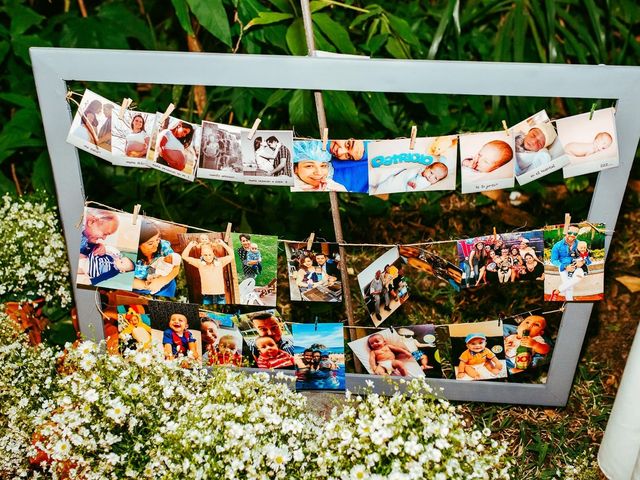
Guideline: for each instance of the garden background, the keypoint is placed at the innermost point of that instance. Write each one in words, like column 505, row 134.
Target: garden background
column 586, row 32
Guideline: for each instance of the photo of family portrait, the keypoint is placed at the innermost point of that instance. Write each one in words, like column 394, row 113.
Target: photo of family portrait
column 430, row 165
column 539, row 151
column 134, row 327
column 385, row 353
column 574, row 262
column 209, row 264
column 433, row 264
column 501, row 258
column 108, row 249
column 319, row 356
column 590, row 140
column 131, row 137
column 268, row 342
column 221, row 340
column 527, row 343
column 314, row 275
column 177, row 147
column 487, row 161
column 267, row 157
column 175, row 329
column 384, row 286
column 221, row 153
column 91, row 126
column 256, row 260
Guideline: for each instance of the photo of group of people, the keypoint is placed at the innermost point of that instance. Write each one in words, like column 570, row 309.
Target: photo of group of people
column 314, row 275
column 487, row 161
column 319, row 356
column 574, row 262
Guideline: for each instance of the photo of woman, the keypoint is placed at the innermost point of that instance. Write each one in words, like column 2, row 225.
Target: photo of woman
column 266, row 157
column 177, row 148
column 131, row 138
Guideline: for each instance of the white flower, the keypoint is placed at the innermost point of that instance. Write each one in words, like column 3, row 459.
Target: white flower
column 358, row 472
column 278, row 457
column 118, row 410
column 91, row 395
column 62, row 449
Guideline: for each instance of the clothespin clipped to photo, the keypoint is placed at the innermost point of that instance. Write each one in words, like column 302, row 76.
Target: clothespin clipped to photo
column 567, row 221
column 310, row 241
column 126, row 103
column 593, row 109
column 254, row 127
column 170, row 108
column 325, row 138
column 227, row 233
column 136, row 212
column 506, row 128
column 316, row 324
column 501, row 318
column 414, row 134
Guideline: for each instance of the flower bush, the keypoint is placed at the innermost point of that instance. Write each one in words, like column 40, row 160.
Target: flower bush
column 33, row 258
column 84, row 414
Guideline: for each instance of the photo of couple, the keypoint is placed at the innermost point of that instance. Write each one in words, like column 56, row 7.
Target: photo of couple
column 266, row 157
column 314, row 275
column 319, row 356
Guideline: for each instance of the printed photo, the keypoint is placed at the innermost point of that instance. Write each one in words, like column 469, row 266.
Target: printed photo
column 477, row 350
column 134, row 327
column 91, row 126
column 221, row 339
column 158, row 263
column 574, row 262
column 527, row 343
column 313, row 168
column 210, row 268
column 350, row 165
column 592, row 144
column 319, row 356
column 131, row 137
column 384, row 353
column 314, row 275
column 487, row 161
column 501, row 258
column 221, row 154
column 268, row 342
column 431, row 165
column 256, row 259
column 420, row 340
column 108, row 249
column 177, row 147
column 538, row 149
column 432, row 264
column 175, row 328
column 267, row 157
column 384, row 286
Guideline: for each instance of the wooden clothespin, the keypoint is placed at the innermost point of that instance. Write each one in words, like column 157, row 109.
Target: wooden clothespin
column 136, row 211
column 166, row 114
column 126, row 103
column 567, row 221
column 255, row 126
column 310, row 241
column 227, row 233
column 412, row 141
column 506, row 128
column 325, row 138
column 593, row 109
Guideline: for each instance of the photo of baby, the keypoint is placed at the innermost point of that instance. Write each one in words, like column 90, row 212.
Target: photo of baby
column 177, row 147
column 477, row 350
column 175, row 328
column 538, row 149
column 487, row 161
column 268, row 342
column 131, row 137
column 221, row 341
column 134, row 327
column 91, row 127
column 590, row 141
column 385, row 353
column 267, row 157
column 221, row 152
column 420, row 340
column 319, row 356
column 526, row 343
column 314, row 275
column 431, row 165
column 108, row 249
column 256, row 263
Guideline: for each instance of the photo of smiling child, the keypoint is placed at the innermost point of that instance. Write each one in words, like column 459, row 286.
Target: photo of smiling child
column 312, row 169
column 590, row 141
column 431, row 165
column 477, row 350
column 175, row 329
column 268, row 342
column 526, row 343
column 131, row 137
column 487, row 161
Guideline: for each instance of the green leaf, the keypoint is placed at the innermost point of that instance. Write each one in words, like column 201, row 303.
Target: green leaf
column 42, row 177
column 182, row 12
column 395, row 48
column 577, row 184
column 376, row 42
column 402, row 28
column 341, row 109
column 274, row 99
column 335, row 32
column 19, row 100
column 317, row 5
column 380, row 108
column 296, row 40
column 6, row 185
column 267, row 18
column 519, row 30
column 213, row 17
column 301, row 108
column 447, row 15
column 23, row 43
column 22, row 19
column 4, row 49
column 283, row 5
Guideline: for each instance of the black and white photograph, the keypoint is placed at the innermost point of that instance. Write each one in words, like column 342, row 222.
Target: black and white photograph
column 267, row 158
column 221, row 152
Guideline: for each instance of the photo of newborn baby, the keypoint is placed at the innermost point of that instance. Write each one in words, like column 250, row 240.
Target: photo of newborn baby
column 385, row 353
column 487, row 161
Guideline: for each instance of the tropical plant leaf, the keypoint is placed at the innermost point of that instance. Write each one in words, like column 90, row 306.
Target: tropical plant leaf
column 182, row 13
column 267, row 18
column 335, row 32
column 283, row 5
column 317, row 5
column 22, row 18
column 301, row 107
column 402, row 29
column 295, row 38
column 213, row 17
column 379, row 106
column 42, row 176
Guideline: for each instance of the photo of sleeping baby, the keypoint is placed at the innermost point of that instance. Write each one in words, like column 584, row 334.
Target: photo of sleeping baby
column 590, row 141
column 268, row 342
column 430, row 165
column 108, row 249
column 385, row 353
column 538, row 149
column 477, row 350
column 487, row 161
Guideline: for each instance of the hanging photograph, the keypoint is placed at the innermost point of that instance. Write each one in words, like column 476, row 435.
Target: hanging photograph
column 221, row 339
column 477, row 350
column 433, row 264
column 527, row 343
column 221, row 153
column 175, row 328
column 590, row 141
column 177, row 147
column 312, row 168
column 539, row 151
column 319, row 356
column 487, row 161
column 384, row 353
column 430, row 165
column 267, row 157
column 268, row 341
column 108, row 249
column 131, row 137
column 134, row 327
column 349, row 163
column 91, row 127
column 256, row 260
column 314, row 275
column 574, row 262
column 420, row 340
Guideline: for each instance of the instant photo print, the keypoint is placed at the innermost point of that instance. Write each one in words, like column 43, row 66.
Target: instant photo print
column 134, row 327
column 420, row 340
column 314, row 275
column 131, row 137
column 256, row 259
column 384, row 353
column 268, row 342
column 221, row 152
column 175, row 328
column 528, row 344
column 433, row 264
column 313, row 168
column 267, row 157
column 319, row 356
column 487, row 161
column 349, row 162
column 221, row 340
column 177, row 147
